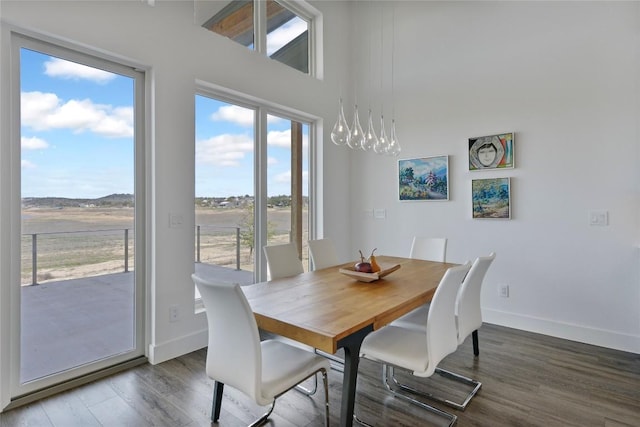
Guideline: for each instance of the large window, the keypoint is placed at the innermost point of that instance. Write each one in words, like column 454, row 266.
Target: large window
column 287, row 28
column 251, row 186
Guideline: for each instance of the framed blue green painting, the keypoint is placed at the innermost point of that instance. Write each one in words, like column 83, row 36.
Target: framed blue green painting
column 491, row 198
column 423, row 179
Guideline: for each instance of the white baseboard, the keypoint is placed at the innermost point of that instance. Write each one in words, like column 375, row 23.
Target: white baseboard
column 167, row 350
column 162, row 352
column 599, row 337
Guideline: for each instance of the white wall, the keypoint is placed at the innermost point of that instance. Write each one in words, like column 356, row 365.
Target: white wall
column 165, row 40
column 564, row 76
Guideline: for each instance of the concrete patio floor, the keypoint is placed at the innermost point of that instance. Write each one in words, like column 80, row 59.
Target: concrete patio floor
column 69, row 323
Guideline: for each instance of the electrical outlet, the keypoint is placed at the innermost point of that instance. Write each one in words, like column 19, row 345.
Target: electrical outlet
column 504, row 291
column 174, row 313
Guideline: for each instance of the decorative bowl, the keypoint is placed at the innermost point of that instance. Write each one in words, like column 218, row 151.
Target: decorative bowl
column 370, row 277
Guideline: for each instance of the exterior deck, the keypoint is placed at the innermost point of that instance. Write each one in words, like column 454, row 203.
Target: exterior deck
column 68, row 323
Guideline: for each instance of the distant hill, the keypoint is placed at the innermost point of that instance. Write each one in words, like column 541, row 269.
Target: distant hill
column 112, row 200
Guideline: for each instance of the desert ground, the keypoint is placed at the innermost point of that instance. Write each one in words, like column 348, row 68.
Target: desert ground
column 88, row 241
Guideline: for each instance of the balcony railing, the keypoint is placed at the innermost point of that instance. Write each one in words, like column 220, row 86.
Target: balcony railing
column 66, row 250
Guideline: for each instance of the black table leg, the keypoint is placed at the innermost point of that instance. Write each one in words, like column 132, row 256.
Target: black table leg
column 217, row 401
column 351, row 346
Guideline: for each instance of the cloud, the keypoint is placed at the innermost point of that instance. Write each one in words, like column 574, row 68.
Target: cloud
column 240, row 116
column 234, row 114
column 282, row 138
column 26, row 164
column 283, row 35
column 57, row 67
column 44, row 111
column 279, row 138
column 33, row 143
column 225, row 150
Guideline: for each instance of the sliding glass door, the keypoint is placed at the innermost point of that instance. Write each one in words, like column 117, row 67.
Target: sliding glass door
column 81, row 281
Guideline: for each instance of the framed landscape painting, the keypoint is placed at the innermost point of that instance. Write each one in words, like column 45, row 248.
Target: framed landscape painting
column 423, row 179
column 491, row 198
column 491, row 152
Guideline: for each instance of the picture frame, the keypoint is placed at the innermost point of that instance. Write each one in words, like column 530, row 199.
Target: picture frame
column 491, row 198
column 492, row 152
column 423, row 179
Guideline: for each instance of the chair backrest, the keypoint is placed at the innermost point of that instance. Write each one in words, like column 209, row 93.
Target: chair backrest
column 442, row 335
column 322, row 253
column 234, row 354
column 468, row 312
column 429, row 248
column 283, row 260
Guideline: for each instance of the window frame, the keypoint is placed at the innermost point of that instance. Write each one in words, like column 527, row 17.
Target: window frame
column 262, row 109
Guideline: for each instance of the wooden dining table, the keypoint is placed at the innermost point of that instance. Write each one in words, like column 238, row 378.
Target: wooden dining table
column 328, row 310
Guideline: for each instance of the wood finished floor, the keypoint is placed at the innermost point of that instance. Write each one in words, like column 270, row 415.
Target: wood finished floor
column 528, row 380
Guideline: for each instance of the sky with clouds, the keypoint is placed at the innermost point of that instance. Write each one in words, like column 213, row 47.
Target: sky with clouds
column 77, row 132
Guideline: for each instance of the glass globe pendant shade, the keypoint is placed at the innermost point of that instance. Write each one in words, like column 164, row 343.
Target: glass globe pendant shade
column 340, row 132
column 393, row 149
column 370, row 137
column 383, row 141
column 356, row 138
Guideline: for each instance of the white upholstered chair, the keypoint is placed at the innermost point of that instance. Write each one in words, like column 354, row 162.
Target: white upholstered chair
column 283, row 260
column 429, row 248
column 420, row 351
column 468, row 312
column 236, row 357
column 322, row 253
column 468, row 321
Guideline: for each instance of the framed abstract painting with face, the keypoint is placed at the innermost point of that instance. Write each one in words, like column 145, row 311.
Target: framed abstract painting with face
column 492, row 152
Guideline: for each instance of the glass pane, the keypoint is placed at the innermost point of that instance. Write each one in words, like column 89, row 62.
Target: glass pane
column 287, row 37
column 235, row 21
column 287, row 183
column 77, row 184
column 224, row 186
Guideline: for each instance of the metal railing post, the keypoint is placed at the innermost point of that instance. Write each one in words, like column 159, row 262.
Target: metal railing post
column 34, row 259
column 126, row 250
column 197, row 243
column 238, row 248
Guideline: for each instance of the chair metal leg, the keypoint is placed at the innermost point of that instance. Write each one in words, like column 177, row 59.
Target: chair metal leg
column 448, row 374
column 307, row 391
column 263, row 419
column 474, row 337
column 387, row 375
column 325, row 381
column 217, row 400
column 465, row 380
column 337, row 364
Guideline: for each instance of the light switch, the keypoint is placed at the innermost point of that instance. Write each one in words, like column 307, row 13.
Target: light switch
column 176, row 221
column 379, row 213
column 599, row 218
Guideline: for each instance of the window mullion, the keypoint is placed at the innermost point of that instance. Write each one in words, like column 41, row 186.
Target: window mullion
column 260, row 26
column 260, row 201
